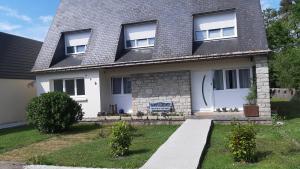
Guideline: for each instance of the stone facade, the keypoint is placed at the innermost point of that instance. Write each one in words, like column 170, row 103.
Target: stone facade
column 164, row 86
column 263, row 87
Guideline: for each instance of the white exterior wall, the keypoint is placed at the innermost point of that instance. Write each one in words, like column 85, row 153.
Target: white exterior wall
column 90, row 102
column 226, row 98
column 15, row 95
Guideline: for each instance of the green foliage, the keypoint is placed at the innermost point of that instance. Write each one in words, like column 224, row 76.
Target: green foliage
column 252, row 95
column 242, row 142
column 270, row 15
column 286, row 64
column 286, row 5
column 120, row 139
column 278, row 35
column 283, row 33
column 53, row 112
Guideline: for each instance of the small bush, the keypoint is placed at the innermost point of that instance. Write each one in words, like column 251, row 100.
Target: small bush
column 241, row 142
column 53, row 112
column 120, row 139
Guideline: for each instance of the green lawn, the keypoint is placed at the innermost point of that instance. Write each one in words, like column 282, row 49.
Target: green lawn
column 97, row 154
column 277, row 147
column 19, row 137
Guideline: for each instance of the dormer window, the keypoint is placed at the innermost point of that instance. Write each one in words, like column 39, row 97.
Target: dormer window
column 139, row 35
column 215, row 26
column 76, row 42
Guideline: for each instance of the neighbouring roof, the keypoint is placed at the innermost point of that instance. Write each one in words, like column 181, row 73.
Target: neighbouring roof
column 17, row 56
column 174, row 35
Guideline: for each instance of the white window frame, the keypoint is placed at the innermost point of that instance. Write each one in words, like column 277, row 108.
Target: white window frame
column 135, row 40
column 75, row 49
column 75, row 86
column 136, row 46
column 237, row 78
column 122, row 86
column 221, row 32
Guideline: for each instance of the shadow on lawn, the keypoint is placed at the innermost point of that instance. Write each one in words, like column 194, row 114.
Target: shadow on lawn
column 289, row 109
column 15, row 129
column 139, row 151
column 82, row 128
column 261, row 155
column 207, row 145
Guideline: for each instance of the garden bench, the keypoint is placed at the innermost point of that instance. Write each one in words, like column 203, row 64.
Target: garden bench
column 164, row 107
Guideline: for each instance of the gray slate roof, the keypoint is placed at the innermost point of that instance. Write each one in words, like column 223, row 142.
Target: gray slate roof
column 17, row 56
column 174, row 38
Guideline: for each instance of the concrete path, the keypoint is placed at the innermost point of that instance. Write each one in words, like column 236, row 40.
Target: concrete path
column 10, row 165
column 183, row 149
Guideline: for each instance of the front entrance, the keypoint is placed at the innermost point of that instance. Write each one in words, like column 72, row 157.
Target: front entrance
column 121, row 93
column 202, row 91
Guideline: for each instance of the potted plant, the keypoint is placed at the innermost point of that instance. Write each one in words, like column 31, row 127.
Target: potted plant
column 251, row 109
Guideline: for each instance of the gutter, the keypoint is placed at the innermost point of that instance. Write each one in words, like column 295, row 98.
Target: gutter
column 157, row 61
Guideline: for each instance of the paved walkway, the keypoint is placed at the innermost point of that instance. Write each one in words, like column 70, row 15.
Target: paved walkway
column 183, row 149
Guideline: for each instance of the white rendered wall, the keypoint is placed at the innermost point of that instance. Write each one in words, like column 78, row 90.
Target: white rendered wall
column 90, row 102
column 226, row 98
column 15, row 95
column 123, row 101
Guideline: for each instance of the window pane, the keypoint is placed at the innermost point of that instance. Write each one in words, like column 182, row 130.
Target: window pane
column 80, row 49
column 231, row 82
column 228, row 31
column 70, row 49
column 151, row 41
column 201, row 35
column 130, row 43
column 142, row 42
column 215, row 33
column 218, row 80
column 58, row 85
column 70, row 87
column 127, row 85
column 244, row 75
column 116, row 85
column 80, row 87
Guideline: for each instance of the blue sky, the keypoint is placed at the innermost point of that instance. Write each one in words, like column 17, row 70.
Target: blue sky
column 28, row 18
column 32, row 18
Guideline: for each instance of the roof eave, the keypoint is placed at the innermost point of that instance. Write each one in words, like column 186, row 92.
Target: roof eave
column 157, row 61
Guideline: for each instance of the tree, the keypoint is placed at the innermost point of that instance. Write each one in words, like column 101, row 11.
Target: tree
column 283, row 32
column 285, row 6
column 286, row 65
column 270, row 16
column 278, row 35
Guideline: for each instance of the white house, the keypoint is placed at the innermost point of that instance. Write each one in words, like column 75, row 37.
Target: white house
column 199, row 55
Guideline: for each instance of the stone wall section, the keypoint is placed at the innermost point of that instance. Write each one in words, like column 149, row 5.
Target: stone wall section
column 263, row 86
column 164, row 86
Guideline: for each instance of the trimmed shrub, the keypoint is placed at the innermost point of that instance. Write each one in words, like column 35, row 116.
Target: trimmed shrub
column 120, row 139
column 53, row 112
column 242, row 142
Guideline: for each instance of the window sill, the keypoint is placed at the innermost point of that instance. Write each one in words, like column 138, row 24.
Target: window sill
column 217, row 39
column 79, row 98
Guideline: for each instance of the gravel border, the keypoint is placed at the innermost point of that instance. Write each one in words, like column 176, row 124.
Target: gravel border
column 55, row 167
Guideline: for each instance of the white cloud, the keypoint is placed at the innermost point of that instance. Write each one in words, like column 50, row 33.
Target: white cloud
column 14, row 13
column 265, row 4
column 46, row 19
column 8, row 27
column 37, row 32
column 269, row 4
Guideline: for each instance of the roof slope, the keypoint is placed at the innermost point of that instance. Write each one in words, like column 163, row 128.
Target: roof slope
column 17, row 56
column 174, row 37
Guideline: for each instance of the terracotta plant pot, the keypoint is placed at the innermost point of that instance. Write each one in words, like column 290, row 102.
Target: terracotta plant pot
column 251, row 110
